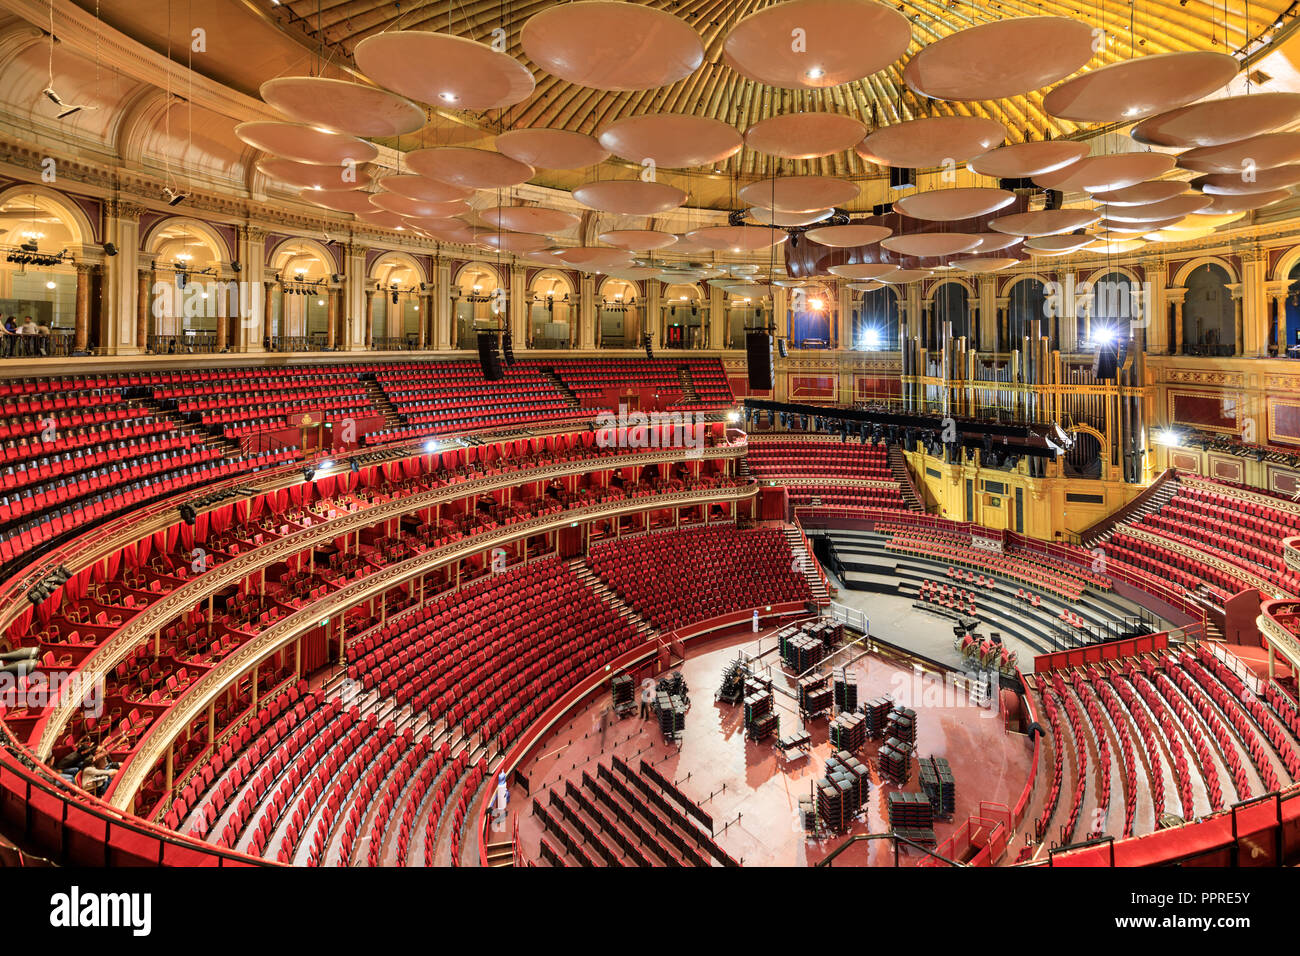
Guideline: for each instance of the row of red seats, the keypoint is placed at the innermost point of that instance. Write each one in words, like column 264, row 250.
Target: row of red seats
column 678, row 577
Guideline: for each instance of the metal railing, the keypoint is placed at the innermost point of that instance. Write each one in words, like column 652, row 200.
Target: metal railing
column 55, row 343
column 183, row 343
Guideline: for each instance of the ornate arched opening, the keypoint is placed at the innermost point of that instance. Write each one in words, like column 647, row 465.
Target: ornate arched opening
column 42, row 235
column 478, row 298
column 875, row 318
column 400, row 285
column 552, row 309
column 1209, row 312
column 618, row 324
column 685, row 317
column 193, row 293
column 300, row 314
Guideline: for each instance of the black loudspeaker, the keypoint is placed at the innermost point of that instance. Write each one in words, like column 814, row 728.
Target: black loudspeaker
column 508, row 347
column 110, row 249
column 882, row 209
column 648, row 341
column 1103, row 364
column 902, row 177
column 488, row 359
column 1055, row 199
column 781, row 347
column 1011, row 185
column 758, row 360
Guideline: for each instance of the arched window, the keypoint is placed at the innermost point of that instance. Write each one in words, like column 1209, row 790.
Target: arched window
column 951, row 304
column 1026, row 301
column 1209, row 320
column 1290, row 332
column 875, row 320
column 551, row 304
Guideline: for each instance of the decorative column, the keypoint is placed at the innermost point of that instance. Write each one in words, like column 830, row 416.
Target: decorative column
column 517, row 317
column 585, row 336
column 1237, row 291
column 1275, row 324
column 81, row 330
column 269, row 287
column 356, row 301
column 223, row 320
column 368, row 325
column 1001, row 317
column 1176, row 295
column 143, row 305
column 332, row 319
column 1153, row 315
column 442, row 304
column 121, row 328
column 653, row 307
column 987, row 287
column 716, row 330
column 1254, row 304
column 844, row 337
column 253, row 316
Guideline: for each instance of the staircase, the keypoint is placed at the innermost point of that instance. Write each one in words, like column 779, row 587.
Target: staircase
column 212, row 435
column 569, row 395
column 898, row 465
column 1152, row 503
column 645, row 630
column 689, row 394
column 379, row 398
column 499, row 854
column 808, row 563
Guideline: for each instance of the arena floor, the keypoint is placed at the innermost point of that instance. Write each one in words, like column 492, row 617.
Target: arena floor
column 751, row 792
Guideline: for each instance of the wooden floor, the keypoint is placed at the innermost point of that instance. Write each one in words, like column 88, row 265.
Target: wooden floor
column 750, row 791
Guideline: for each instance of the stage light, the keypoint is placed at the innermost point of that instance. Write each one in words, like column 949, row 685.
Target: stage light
column 1168, row 436
column 733, row 417
column 327, row 463
column 1104, row 337
column 870, row 340
column 430, row 447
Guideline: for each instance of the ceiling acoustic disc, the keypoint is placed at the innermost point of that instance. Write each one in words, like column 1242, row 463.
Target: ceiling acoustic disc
column 903, row 276
column 551, row 148
column 343, row 106
column 799, row 193
column 847, row 236
column 445, row 70
column 424, row 189
column 1225, row 205
column 984, row 264
column 1028, row 159
column 536, row 219
column 1258, row 152
column 805, row 135
column 1045, row 222
column 671, row 140
column 863, row 270
column 947, row 205
column 995, row 242
column 1115, row 248
column 1057, row 245
column 639, row 240
column 383, row 219
column 1261, row 181
column 515, row 241
column 1137, row 226
column 307, row 144
column 619, row 47
column 769, row 217
column 629, row 197
column 737, row 238
column 595, row 257
column 1004, row 58
column 339, row 200
column 633, row 273
column 418, row 208
column 307, row 176
column 813, row 44
column 1143, row 86
column 1220, row 121
column 931, row 244
column 1139, row 193
column 1103, row 173
column 1174, row 208
column 865, row 286
column 469, row 168
column 1205, row 220
column 923, row 143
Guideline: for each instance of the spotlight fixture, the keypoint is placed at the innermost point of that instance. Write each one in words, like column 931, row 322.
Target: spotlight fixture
column 188, row 514
column 174, row 197
column 308, row 473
